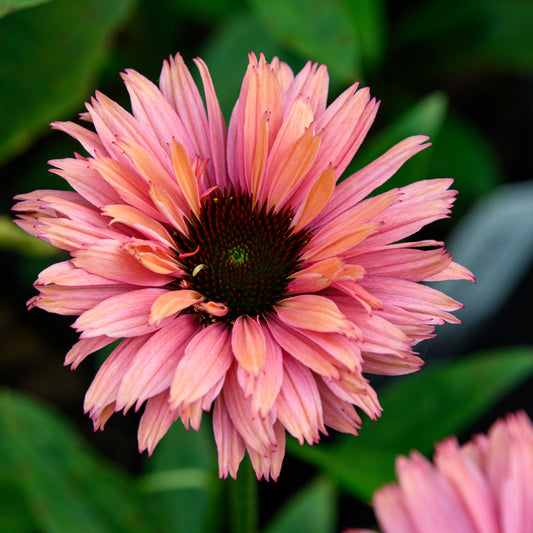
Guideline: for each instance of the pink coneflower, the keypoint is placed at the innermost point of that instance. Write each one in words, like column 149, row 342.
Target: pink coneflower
column 237, row 275
column 484, row 486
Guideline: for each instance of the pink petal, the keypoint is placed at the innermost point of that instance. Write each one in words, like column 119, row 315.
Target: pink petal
column 133, row 189
column 104, row 388
column 217, row 128
column 110, row 260
column 73, row 300
column 303, row 349
column 338, row 414
column 85, row 347
column 354, row 188
column 229, row 443
column 312, row 84
column 125, row 315
column 256, row 431
column 65, row 273
column 152, row 369
column 248, row 344
column 419, row 204
column 140, row 221
column 293, row 166
column 113, row 123
column 207, row 358
column 88, row 139
column 265, row 386
column 85, row 180
column 177, row 86
column 269, row 465
column 298, row 406
column 153, row 112
column 317, row 313
column 155, row 422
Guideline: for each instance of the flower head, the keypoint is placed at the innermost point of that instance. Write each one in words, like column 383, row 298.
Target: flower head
column 481, row 487
column 235, row 272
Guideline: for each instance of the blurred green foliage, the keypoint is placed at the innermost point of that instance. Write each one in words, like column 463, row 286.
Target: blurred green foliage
column 421, row 59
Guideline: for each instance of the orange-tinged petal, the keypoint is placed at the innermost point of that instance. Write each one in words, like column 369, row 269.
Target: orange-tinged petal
column 318, row 313
column 135, row 218
column 168, row 207
column 153, row 256
column 293, row 167
column 316, row 200
column 331, row 243
column 185, row 176
column 173, row 302
column 260, row 157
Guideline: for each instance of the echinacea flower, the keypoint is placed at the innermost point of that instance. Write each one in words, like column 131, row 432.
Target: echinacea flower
column 234, row 271
column 484, row 486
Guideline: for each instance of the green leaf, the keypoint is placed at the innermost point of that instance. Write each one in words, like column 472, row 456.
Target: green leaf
column 368, row 19
column 61, row 484
column 472, row 36
column 419, row 410
column 212, row 10
column 315, row 29
column 463, row 153
column 181, row 479
column 49, row 58
column 312, row 509
column 8, row 6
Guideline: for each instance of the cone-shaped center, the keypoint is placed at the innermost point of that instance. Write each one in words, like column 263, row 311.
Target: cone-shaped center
column 245, row 255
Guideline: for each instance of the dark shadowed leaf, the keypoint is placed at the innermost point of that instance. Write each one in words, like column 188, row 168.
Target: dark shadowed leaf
column 58, row 482
column 316, row 30
column 182, row 479
column 463, row 153
column 8, row 6
column 471, row 37
column 368, row 18
column 418, row 411
column 312, row 509
column 49, row 57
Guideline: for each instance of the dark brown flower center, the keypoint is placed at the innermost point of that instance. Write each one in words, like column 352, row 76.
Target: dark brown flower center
column 245, row 255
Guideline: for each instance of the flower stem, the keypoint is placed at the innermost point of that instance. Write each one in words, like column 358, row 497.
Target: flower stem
column 243, row 501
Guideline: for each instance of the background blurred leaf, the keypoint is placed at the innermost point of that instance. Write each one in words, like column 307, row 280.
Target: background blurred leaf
column 212, row 10
column 182, row 479
column 317, row 30
column 61, row 484
column 368, row 18
column 463, row 153
column 49, row 57
column 419, row 410
column 8, row 6
column 312, row 509
column 472, row 36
